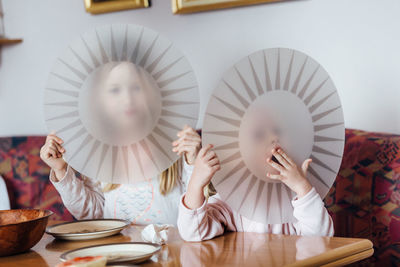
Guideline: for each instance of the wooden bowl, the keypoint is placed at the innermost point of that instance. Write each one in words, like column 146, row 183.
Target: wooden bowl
column 21, row 229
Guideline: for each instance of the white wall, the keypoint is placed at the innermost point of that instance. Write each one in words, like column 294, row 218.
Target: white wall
column 357, row 41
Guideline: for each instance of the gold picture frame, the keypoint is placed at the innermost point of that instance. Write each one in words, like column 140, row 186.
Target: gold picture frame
column 191, row 6
column 99, row 7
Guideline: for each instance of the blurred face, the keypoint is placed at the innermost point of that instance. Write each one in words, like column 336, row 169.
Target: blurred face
column 122, row 103
column 123, row 97
column 278, row 119
column 259, row 134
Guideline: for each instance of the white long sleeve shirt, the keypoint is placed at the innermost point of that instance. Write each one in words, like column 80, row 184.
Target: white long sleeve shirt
column 140, row 203
column 215, row 217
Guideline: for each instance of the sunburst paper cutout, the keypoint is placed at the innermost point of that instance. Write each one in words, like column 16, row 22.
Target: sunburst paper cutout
column 117, row 97
column 275, row 96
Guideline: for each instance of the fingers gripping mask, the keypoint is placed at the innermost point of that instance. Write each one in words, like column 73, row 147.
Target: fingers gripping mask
column 275, row 97
column 117, row 97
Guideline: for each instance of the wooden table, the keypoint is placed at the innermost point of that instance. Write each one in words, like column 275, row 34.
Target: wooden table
column 231, row 249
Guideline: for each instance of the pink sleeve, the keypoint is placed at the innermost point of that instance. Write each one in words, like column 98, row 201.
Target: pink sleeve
column 84, row 198
column 212, row 219
column 312, row 216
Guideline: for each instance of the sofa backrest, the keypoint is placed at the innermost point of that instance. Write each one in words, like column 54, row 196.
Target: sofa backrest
column 27, row 176
column 365, row 198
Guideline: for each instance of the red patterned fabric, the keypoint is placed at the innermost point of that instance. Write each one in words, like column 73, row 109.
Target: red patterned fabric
column 27, row 176
column 364, row 201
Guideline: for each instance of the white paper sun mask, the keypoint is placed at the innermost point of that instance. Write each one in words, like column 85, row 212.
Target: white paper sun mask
column 275, row 97
column 117, row 97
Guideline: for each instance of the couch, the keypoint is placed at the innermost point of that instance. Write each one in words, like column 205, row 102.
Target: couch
column 27, row 176
column 365, row 198
column 363, row 202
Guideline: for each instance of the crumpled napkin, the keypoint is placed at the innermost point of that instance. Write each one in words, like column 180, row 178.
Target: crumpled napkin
column 156, row 233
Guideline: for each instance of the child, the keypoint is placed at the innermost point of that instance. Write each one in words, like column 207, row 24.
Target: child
column 152, row 201
column 201, row 219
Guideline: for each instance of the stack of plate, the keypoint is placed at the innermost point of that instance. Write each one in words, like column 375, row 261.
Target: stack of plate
column 132, row 252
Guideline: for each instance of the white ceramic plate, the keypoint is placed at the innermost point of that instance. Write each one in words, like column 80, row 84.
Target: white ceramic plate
column 87, row 229
column 132, row 252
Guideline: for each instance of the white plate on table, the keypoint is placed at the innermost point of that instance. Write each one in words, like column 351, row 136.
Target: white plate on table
column 132, row 252
column 87, row 229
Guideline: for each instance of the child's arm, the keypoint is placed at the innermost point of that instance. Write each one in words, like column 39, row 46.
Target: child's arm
column 201, row 219
column 206, row 165
column 309, row 210
column 211, row 219
column 312, row 216
column 83, row 198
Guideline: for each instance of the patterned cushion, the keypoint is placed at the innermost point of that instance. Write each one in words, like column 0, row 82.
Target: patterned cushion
column 27, row 176
column 364, row 201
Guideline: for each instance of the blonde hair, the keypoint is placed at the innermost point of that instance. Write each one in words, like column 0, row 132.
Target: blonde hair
column 168, row 180
column 110, row 187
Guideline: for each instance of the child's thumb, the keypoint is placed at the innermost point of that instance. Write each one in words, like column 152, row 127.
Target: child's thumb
column 305, row 166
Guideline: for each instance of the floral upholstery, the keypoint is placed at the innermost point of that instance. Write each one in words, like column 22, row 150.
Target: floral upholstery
column 364, row 200
column 27, row 176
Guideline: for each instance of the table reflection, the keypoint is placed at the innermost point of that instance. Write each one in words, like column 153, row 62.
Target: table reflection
column 64, row 245
column 310, row 247
column 167, row 257
column 232, row 247
column 251, row 249
column 29, row 256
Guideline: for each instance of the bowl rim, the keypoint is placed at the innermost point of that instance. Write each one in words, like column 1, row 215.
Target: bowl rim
column 49, row 213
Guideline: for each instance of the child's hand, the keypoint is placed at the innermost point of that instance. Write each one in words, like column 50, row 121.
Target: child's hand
column 289, row 173
column 188, row 144
column 51, row 153
column 206, row 165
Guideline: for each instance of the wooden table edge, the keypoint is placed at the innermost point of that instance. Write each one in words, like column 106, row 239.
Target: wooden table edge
column 336, row 255
column 351, row 259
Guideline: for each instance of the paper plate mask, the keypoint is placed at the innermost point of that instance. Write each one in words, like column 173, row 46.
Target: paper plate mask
column 276, row 96
column 117, row 97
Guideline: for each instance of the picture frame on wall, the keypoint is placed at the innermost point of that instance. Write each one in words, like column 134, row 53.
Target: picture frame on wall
column 1, row 20
column 105, row 6
column 192, row 6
